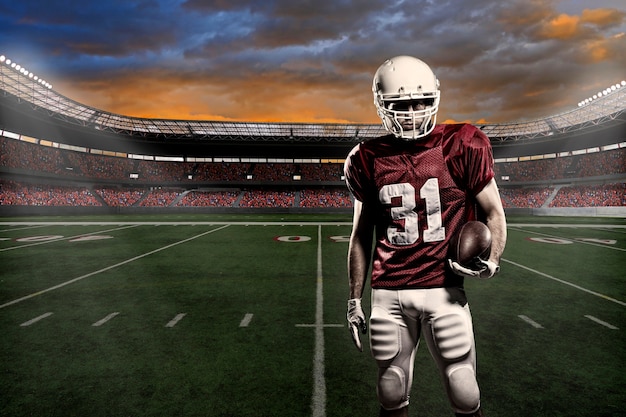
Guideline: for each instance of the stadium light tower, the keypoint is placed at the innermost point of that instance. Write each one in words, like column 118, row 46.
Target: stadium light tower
column 23, row 71
column 611, row 89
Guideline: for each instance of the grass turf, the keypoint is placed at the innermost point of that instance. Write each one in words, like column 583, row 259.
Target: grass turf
column 216, row 274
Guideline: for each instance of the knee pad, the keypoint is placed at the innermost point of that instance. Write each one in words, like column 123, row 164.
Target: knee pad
column 464, row 392
column 452, row 335
column 392, row 388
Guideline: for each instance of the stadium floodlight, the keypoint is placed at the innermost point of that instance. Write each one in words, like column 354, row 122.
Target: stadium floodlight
column 609, row 90
column 17, row 67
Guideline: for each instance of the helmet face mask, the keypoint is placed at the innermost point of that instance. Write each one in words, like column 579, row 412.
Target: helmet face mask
column 406, row 96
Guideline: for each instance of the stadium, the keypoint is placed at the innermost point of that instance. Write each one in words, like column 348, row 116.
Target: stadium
column 155, row 267
column 571, row 162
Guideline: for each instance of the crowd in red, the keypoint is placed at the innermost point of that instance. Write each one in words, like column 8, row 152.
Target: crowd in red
column 268, row 198
column 577, row 166
column 325, row 198
column 21, row 194
column 159, row 198
column 604, row 195
column 65, row 164
column 17, row 193
column 529, row 197
column 119, row 197
column 45, row 159
column 26, row 194
column 208, row 199
column 591, row 196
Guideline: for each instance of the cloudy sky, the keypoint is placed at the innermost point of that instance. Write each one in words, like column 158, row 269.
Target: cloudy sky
column 313, row 60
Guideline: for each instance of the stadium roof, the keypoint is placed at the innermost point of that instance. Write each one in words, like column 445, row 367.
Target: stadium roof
column 23, row 86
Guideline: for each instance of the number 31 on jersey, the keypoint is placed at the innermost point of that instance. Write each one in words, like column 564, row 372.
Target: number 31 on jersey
column 429, row 192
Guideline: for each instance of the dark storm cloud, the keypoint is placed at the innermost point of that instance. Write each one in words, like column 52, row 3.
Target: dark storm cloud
column 286, row 60
column 103, row 28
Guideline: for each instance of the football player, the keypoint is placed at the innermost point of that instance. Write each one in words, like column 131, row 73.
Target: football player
column 413, row 190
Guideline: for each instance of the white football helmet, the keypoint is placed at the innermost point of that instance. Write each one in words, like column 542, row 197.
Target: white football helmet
column 406, row 96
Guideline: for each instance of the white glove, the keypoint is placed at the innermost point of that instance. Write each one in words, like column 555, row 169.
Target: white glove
column 485, row 269
column 356, row 321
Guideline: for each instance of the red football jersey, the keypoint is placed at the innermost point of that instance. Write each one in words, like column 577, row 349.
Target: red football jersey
column 423, row 192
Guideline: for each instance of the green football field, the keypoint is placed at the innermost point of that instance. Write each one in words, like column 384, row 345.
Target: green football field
column 193, row 315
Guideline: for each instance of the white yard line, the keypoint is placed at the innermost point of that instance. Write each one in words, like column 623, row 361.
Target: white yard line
column 568, row 225
column 182, row 223
column 578, row 287
column 104, row 320
column 175, row 320
column 35, row 320
column 20, row 228
column 318, row 404
column 283, row 223
column 63, row 284
column 245, row 322
column 530, row 321
column 603, row 323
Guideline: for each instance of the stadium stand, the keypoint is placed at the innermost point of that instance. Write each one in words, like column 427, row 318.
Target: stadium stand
column 23, row 194
column 209, row 199
column 208, row 171
column 160, row 198
column 263, row 198
column 606, row 195
column 576, row 166
column 325, row 198
column 530, row 197
column 38, row 162
column 115, row 197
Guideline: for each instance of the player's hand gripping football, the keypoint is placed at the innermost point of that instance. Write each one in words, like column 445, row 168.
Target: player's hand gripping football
column 483, row 269
column 356, row 321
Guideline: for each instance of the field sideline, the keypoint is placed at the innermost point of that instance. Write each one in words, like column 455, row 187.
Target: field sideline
column 233, row 316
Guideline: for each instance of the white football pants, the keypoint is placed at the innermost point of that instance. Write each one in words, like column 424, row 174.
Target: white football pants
column 442, row 316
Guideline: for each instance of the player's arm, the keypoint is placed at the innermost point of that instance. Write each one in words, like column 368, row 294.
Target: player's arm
column 489, row 201
column 359, row 249
column 359, row 258
column 491, row 204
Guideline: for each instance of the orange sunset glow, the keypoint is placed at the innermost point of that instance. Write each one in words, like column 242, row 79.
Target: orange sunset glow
column 497, row 61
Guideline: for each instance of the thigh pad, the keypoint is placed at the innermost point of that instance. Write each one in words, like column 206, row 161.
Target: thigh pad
column 452, row 335
column 384, row 335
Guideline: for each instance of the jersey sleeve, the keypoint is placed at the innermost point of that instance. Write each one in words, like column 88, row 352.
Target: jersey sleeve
column 470, row 158
column 358, row 173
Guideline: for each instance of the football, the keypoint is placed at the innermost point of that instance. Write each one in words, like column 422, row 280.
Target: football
column 473, row 241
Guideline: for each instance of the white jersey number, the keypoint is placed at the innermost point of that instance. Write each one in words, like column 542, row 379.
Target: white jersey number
column 403, row 210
